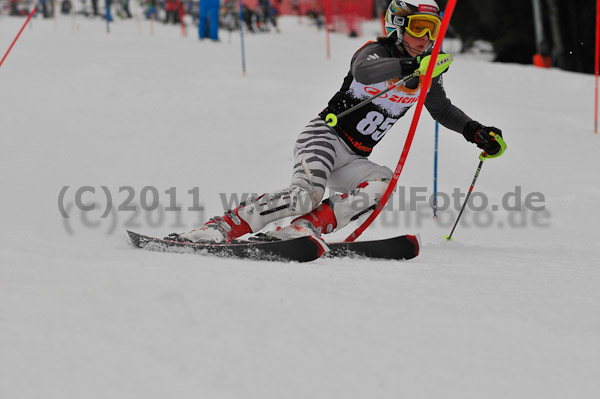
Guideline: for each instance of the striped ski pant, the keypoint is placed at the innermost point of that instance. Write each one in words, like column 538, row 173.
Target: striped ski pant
column 322, row 160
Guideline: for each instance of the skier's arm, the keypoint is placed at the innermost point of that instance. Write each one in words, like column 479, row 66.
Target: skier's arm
column 374, row 64
column 453, row 118
column 442, row 110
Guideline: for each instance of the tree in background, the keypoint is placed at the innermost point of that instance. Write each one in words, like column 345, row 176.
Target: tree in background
column 509, row 25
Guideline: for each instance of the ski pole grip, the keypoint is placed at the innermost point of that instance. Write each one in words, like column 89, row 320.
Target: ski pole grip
column 441, row 65
column 500, row 141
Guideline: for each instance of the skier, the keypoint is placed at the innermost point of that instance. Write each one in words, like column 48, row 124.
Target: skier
column 337, row 157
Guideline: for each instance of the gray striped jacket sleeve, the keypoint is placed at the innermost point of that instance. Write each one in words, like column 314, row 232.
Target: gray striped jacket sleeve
column 373, row 64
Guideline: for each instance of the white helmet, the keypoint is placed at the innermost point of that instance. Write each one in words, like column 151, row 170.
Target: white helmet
column 398, row 10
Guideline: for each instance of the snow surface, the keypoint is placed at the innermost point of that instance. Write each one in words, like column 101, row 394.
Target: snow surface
column 511, row 309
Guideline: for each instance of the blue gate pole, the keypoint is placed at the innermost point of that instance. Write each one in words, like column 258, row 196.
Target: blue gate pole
column 108, row 16
column 435, row 157
column 242, row 36
column 435, row 165
column 435, row 169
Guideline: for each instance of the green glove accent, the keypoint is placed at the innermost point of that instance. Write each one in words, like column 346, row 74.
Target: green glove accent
column 500, row 141
column 331, row 120
column 441, row 64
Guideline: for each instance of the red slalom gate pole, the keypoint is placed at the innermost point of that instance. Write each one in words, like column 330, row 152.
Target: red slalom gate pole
column 181, row 14
column 413, row 127
column 597, row 65
column 19, row 34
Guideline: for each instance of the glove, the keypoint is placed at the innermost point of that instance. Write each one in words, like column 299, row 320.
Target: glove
column 482, row 136
column 409, row 65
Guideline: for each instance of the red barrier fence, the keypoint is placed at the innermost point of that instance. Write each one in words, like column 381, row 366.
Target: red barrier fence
column 346, row 15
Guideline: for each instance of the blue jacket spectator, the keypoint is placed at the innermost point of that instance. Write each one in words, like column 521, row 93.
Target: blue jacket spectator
column 209, row 16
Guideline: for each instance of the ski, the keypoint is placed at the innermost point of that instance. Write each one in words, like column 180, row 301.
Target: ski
column 395, row 248
column 302, row 249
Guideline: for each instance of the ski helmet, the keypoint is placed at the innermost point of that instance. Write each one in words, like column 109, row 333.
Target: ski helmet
column 398, row 11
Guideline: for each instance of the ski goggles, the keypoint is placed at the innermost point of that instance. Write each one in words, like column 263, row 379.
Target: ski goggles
column 419, row 25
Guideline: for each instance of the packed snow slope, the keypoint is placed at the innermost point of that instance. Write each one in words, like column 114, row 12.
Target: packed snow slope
column 510, row 309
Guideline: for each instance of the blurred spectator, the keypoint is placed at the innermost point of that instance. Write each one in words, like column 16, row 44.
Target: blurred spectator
column 229, row 16
column 45, row 11
column 65, row 7
column 316, row 17
column 151, row 13
column 172, row 12
column 125, row 7
column 14, row 7
column 95, row 8
column 267, row 14
column 83, row 10
column 248, row 16
column 208, row 15
column 192, row 9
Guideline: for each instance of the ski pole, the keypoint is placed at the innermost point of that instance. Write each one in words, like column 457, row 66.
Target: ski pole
column 443, row 62
column 482, row 158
